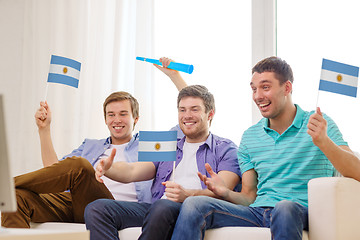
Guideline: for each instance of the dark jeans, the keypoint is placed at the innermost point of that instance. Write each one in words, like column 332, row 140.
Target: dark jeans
column 41, row 198
column 160, row 220
column 104, row 218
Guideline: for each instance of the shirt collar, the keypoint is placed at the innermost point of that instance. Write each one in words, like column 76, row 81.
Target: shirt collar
column 209, row 142
column 297, row 122
column 107, row 141
column 132, row 140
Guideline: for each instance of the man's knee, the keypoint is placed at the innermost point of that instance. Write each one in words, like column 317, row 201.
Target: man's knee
column 286, row 209
column 286, row 205
column 164, row 208
column 195, row 204
column 95, row 209
column 78, row 163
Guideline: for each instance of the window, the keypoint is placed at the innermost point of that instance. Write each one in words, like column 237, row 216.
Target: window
column 214, row 36
column 308, row 31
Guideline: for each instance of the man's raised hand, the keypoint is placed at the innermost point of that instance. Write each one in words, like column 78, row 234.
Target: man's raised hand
column 104, row 165
column 215, row 183
column 43, row 115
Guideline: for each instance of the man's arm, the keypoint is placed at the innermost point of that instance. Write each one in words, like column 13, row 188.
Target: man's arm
column 341, row 157
column 123, row 171
column 43, row 120
column 217, row 185
column 172, row 74
column 177, row 193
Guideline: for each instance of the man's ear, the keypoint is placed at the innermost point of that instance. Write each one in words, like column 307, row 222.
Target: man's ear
column 135, row 121
column 211, row 114
column 288, row 87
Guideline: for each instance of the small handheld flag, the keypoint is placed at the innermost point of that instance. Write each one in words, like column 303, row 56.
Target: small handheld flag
column 64, row 70
column 173, row 65
column 157, row 146
column 339, row 78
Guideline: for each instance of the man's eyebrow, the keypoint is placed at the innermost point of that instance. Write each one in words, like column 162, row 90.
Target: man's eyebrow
column 195, row 106
column 265, row 81
column 261, row 82
column 122, row 111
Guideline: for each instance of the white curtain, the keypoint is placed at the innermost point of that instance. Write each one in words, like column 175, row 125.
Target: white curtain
column 105, row 36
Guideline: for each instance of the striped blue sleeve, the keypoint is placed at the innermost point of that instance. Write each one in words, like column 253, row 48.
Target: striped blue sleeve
column 244, row 159
column 334, row 132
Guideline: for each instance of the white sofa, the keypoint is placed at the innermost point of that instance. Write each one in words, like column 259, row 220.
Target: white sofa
column 334, row 214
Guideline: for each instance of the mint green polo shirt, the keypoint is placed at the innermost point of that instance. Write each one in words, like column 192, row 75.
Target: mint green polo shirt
column 285, row 163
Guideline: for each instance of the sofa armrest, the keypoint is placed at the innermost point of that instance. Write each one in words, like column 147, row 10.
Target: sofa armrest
column 334, row 212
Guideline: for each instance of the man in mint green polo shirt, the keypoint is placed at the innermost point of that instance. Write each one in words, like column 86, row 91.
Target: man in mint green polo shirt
column 277, row 158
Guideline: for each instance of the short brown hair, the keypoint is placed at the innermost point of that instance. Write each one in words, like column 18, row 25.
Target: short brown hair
column 200, row 92
column 279, row 67
column 121, row 96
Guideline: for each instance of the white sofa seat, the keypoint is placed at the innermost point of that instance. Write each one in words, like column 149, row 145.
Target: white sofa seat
column 248, row 233
column 334, row 210
column 333, row 215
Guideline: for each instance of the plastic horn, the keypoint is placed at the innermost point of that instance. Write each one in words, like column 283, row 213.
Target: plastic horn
column 173, row 65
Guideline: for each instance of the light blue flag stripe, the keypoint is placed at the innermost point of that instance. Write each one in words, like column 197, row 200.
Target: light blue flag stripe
column 338, row 88
column 157, row 156
column 59, row 78
column 158, row 136
column 340, row 67
column 65, row 61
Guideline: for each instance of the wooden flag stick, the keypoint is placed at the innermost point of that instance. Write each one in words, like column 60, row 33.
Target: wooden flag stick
column 46, row 91
column 173, row 176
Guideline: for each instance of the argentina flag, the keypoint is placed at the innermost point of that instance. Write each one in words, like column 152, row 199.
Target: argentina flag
column 157, row 146
column 339, row 78
column 64, row 70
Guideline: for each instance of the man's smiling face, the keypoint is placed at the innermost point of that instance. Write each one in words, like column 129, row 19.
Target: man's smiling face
column 193, row 120
column 268, row 94
column 120, row 121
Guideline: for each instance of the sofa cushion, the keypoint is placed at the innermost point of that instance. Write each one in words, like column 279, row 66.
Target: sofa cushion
column 248, row 233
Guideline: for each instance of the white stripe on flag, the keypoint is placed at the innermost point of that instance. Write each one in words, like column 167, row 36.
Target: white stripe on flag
column 145, row 146
column 59, row 69
column 332, row 77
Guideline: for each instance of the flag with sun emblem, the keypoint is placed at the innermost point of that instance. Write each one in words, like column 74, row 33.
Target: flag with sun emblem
column 339, row 78
column 64, row 70
column 157, row 146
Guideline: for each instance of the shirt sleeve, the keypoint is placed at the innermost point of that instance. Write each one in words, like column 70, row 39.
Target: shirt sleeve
column 244, row 158
column 334, row 132
column 228, row 158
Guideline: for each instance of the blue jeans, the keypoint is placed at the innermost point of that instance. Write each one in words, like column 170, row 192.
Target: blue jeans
column 160, row 220
column 286, row 220
column 105, row 217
